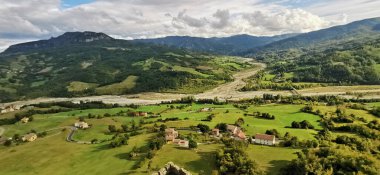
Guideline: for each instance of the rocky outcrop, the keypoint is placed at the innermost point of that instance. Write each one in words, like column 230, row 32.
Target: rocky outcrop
column 171, row 168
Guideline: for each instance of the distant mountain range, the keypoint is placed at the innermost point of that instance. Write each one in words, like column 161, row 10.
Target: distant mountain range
column 242, row 45
column 225, row 45
column 334, row 35
column 246, row 45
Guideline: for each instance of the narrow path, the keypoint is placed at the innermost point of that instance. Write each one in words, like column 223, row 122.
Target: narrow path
column 69, row 137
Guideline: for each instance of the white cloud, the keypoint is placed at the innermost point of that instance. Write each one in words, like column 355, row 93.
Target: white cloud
column 24, row 19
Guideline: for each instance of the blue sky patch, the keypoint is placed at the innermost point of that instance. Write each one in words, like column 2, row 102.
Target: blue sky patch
column 73, row 3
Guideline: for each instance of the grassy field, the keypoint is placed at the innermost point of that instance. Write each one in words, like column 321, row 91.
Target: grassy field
column 342, row 89
column 199, row 162
column 377, row 67
column 77, row 86
column 271, row 159
column 190, row 70
column 371, row 105
column 118, row 88
column 359, row 113
column 53, row 155
column 285, row 115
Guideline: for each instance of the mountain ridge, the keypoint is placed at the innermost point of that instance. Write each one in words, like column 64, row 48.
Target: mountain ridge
column 65, row 39
column 219, row 45
column 337, row 34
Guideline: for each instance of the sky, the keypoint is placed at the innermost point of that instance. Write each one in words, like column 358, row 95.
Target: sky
column 26, row 20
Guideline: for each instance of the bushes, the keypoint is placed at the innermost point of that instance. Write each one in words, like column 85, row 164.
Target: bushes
column 302, row 125
column 330, row 161
column 157, row 143
column 353, row 142
column 8, row 143
column 273, row 132
column 119, row 140
column 203, row 128
column 359, row 129
column 8, row 121
column 234, row 160
column 192, row 144
column 222, row 127
column 29, row 113
column 264, row 116
column 168, row 119
column 375, row 111
column 343, row 119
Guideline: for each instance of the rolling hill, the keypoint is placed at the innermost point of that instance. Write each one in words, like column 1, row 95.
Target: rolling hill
column 88, row 63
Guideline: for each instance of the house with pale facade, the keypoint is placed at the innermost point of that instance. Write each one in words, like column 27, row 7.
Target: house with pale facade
column 170, row 134
column 181, row 143
column 81, row 125
column 215, row 132
column 29, row 137
column 25, row 120
column 265, row 139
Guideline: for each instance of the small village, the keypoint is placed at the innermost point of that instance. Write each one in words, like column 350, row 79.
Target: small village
column 171, row 134
column 144, row 136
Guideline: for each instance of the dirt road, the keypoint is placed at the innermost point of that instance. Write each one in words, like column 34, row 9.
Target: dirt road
column 231, row 89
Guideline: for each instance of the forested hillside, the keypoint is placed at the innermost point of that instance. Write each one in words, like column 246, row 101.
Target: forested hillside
column 349, row 63
column 88, row 63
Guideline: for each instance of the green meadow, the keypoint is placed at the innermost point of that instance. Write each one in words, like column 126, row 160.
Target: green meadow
column 54, row 155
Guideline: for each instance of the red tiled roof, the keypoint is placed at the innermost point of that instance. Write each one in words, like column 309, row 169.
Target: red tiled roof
column 264, row 137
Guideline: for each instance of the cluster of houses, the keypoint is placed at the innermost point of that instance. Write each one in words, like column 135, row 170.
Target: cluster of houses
column 138, row 114
column 171, row 136
column 30, row 137
column 10, row 108
column 237, row 133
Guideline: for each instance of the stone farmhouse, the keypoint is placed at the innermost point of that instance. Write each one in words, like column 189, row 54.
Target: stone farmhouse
column 81, row 125
column 265, row 139
column 236, row 132
column 170, row 134
column 29, row 137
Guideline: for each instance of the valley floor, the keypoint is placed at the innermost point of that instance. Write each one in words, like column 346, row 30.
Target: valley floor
column 225, row 91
